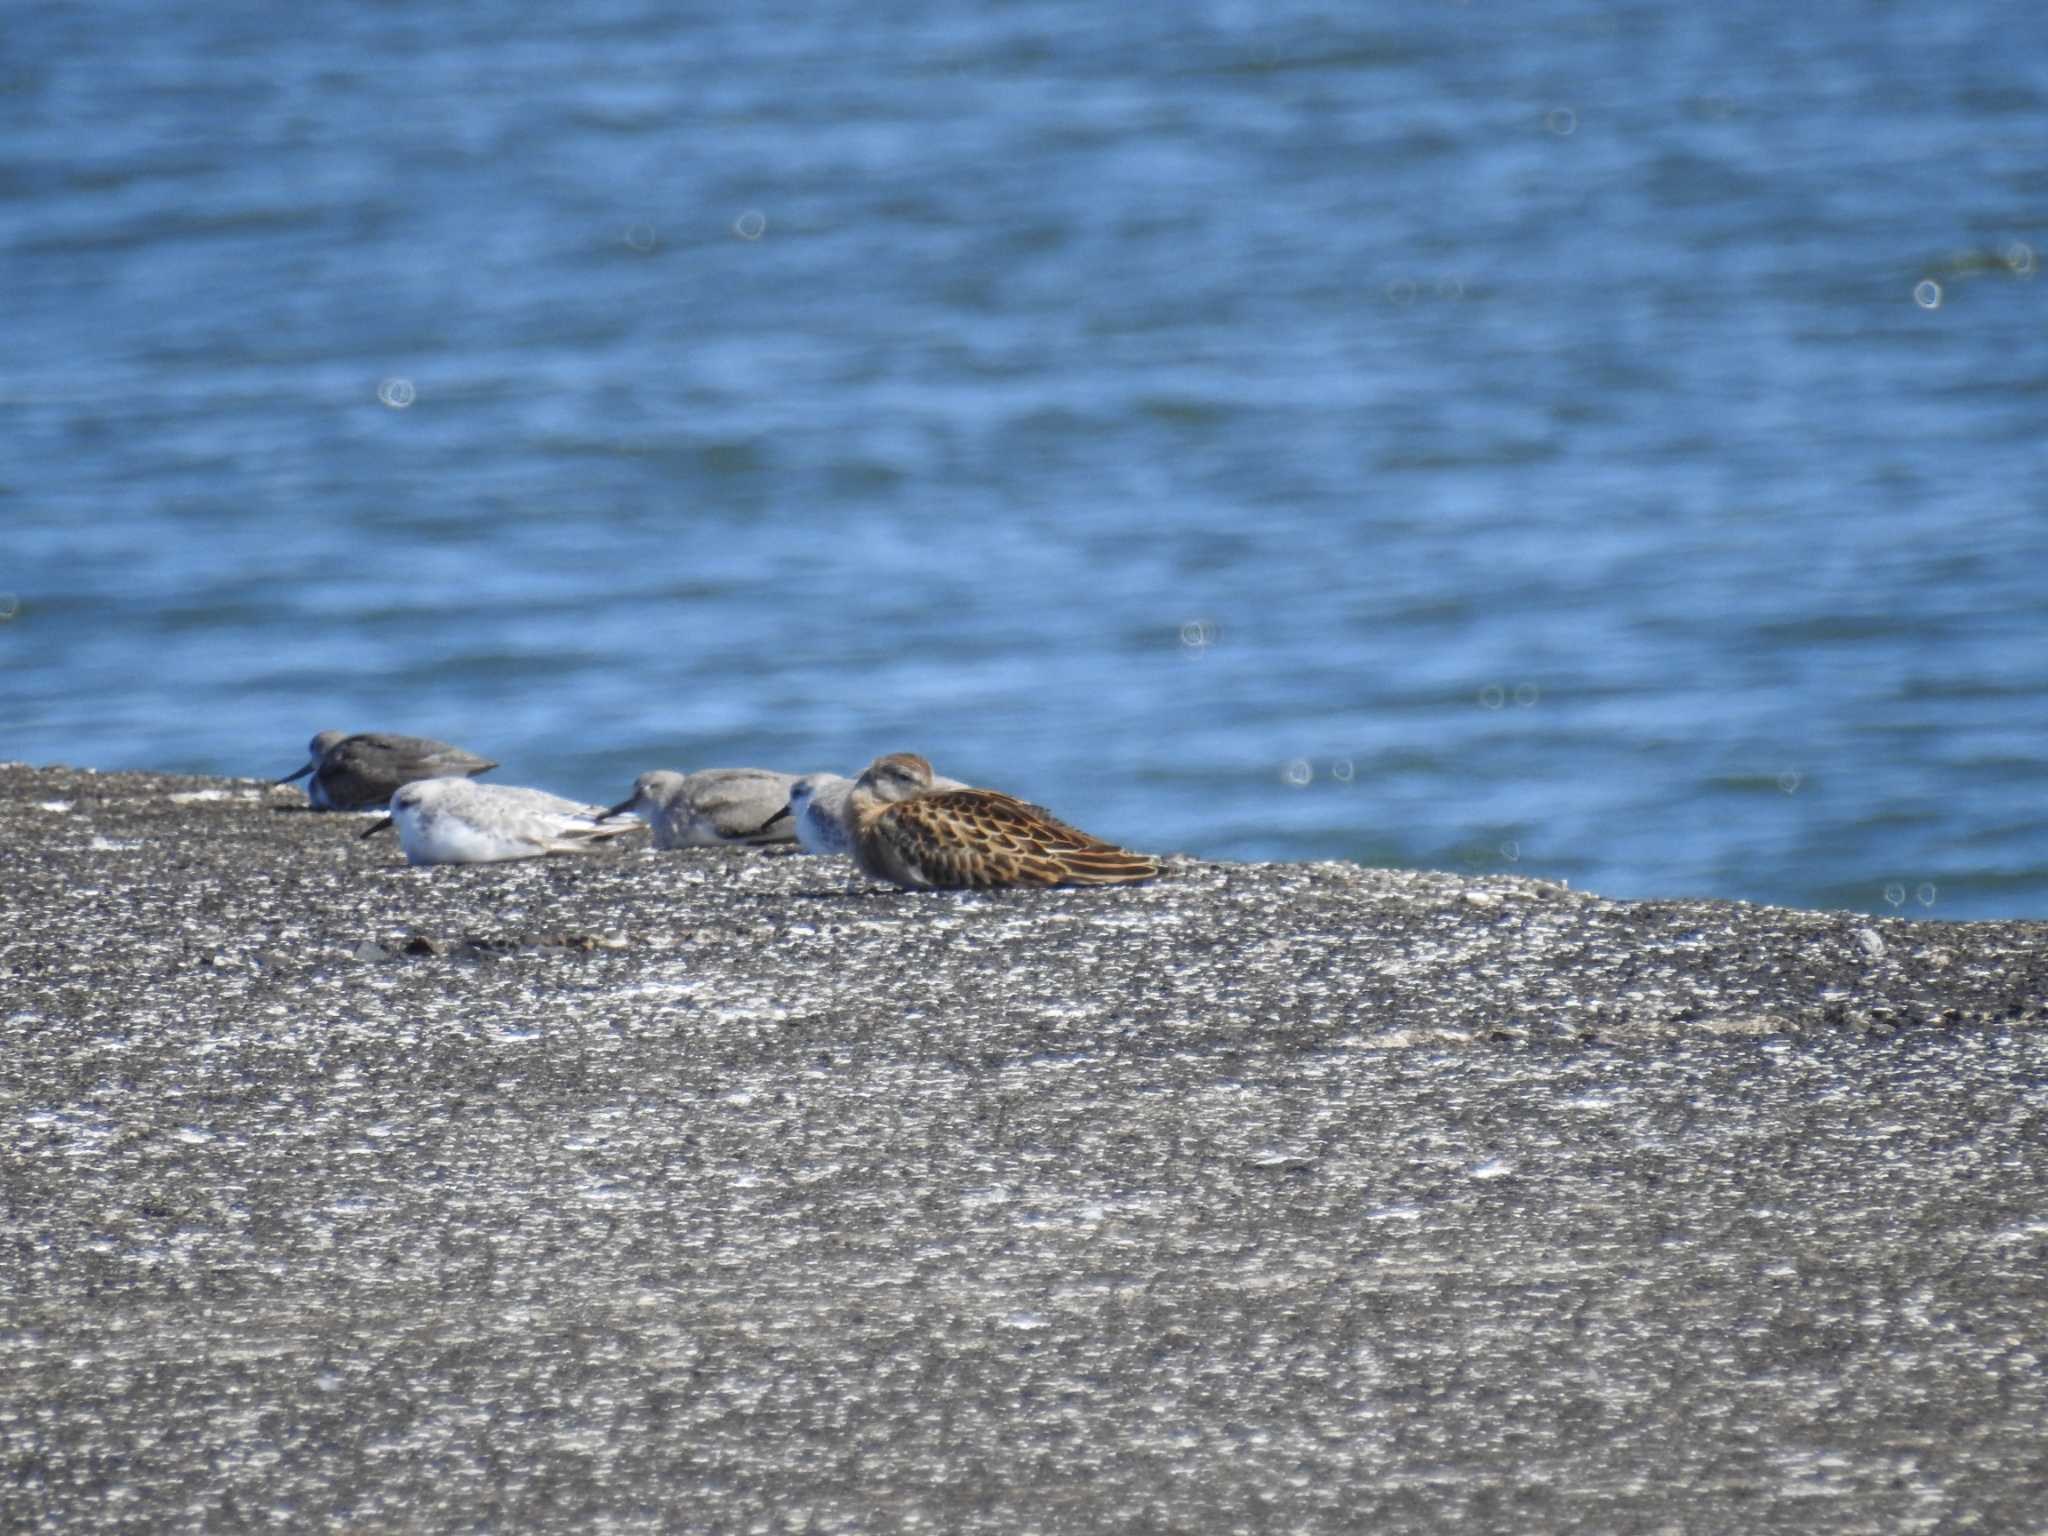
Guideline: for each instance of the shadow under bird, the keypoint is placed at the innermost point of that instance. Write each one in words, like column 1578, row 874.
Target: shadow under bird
column 363, row 771
column 453, row 821
column 711, row 808
column 817, row 809
column 906, row 831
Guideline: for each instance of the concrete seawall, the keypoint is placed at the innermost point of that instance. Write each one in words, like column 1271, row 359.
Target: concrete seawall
column 720, row 1190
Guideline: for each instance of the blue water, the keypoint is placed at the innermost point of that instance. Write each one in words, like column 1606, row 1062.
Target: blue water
column 1604, row 442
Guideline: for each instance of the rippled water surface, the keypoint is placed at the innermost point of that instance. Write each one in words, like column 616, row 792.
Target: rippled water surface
column 1603, row 442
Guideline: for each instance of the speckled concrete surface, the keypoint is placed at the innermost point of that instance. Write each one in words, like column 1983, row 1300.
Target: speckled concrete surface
column 727, row 1191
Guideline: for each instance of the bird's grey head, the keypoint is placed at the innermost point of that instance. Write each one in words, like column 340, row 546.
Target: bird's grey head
column 652, row 792
column 323, row 741
column 657, row 787
column 410, row 797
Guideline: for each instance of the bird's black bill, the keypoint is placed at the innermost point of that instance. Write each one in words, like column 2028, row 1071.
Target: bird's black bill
column 769, row 822
column 378, row 828
column 290, row 776
column 623, row 805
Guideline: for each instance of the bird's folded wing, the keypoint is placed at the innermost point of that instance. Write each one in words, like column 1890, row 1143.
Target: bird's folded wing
column 982, row 838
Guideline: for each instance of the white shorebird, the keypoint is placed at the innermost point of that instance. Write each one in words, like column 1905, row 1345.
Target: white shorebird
column 712, row 807
column 817, row 808
column 452, row 821
column 359, row 772
column 906, row 831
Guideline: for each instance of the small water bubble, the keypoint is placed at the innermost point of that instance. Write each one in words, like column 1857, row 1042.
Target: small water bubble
column 1526, row 695
column 1927, row 293
column 397, row 393
column 1401, row 292
column 2019, row 259
column 1562, row 121
column 751, row 225
column 1299, row 772
column 1511, row 851
column 1451, row 288
column 641, row 238
column 10, row 606
column 1198, row 634
column 1894, row 894
column 1926, row 894
column 1790, row 782
column 1492, row 696
column 1342, row 771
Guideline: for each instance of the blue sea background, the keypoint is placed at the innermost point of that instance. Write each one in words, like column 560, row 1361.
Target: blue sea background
column 1602, row 442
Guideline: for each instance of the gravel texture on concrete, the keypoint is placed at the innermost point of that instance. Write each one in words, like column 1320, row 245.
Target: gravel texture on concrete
column 726, row 1190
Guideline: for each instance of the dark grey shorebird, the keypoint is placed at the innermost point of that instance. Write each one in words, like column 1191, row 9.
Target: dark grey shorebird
column 906, row 831
column 712, row 807
column 452, row 821
column 363, row 771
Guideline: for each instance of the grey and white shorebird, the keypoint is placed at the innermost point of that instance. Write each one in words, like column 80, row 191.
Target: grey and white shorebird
column 712, row 807
column 453, row 821
column 817, row 809
column 906, row 831
column 363, row 771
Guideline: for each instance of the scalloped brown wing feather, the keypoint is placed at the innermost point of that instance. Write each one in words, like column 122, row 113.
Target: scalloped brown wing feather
column 981, row 839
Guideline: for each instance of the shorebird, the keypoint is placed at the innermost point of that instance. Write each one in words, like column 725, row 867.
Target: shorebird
column 712, row 807
column 817, row 807
column 972, row 839
column 357, row 773
column 452, row 821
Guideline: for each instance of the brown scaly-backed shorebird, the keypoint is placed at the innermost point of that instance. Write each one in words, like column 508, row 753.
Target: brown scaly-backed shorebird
column 360, row 772
column 972, row 839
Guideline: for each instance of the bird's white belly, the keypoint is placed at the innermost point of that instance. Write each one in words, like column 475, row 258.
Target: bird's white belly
column 820, row 831
column 431, row 839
